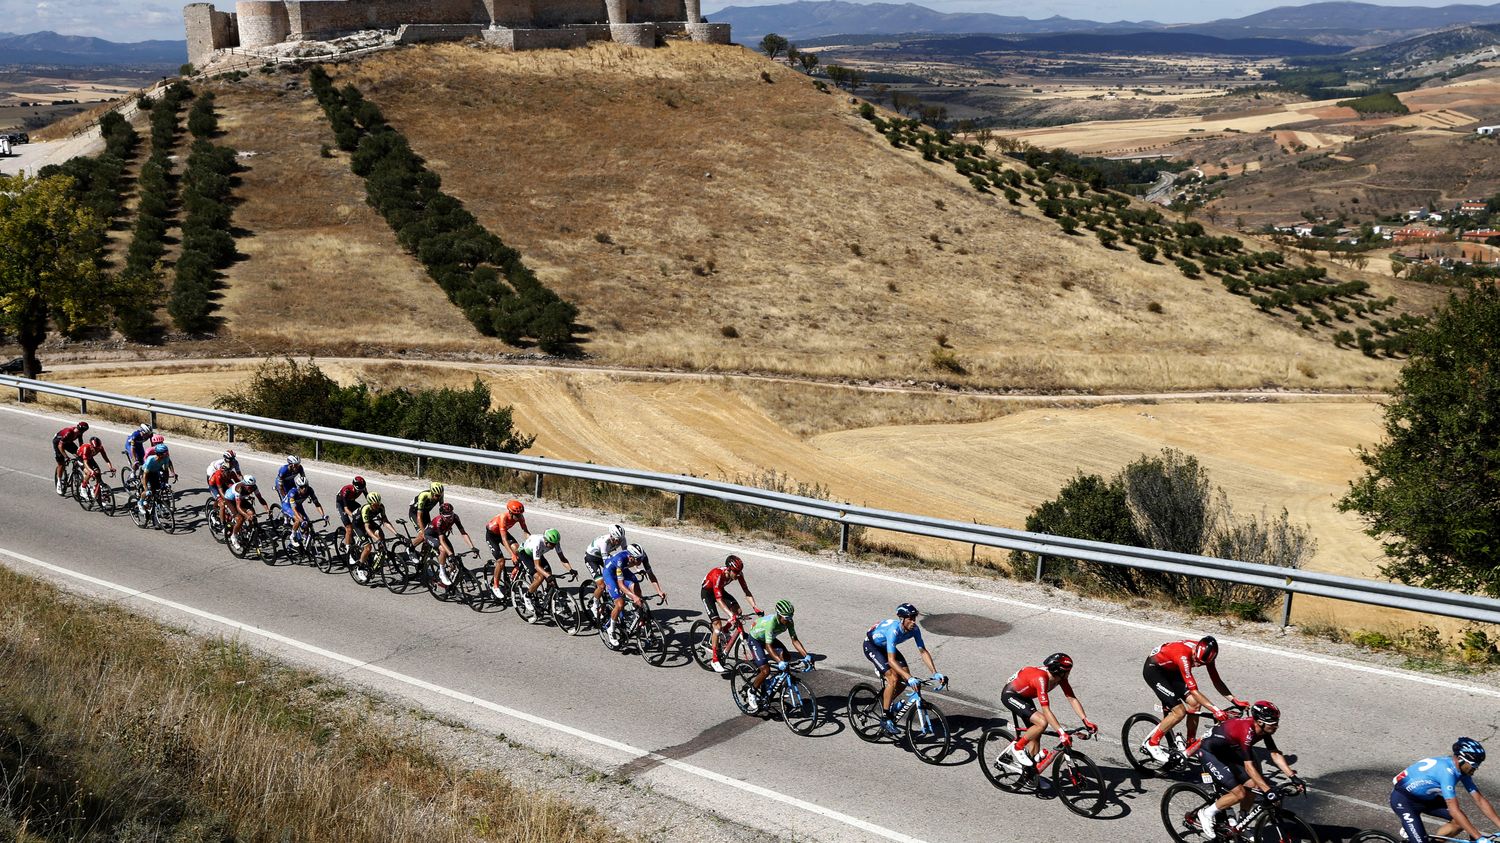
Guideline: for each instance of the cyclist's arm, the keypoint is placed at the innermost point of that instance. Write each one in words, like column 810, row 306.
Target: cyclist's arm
column 926, row 656
column 1077, row 704
column 1280, row 760
column 745, row 587
column 1213, row 676
column 465, row 534
column 1256, row 779
column 563, row 557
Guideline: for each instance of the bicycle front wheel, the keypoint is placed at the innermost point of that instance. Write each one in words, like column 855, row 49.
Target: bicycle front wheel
column 564, row 608
column 799, row 708
column 927, row 732
column 739, row 685
column 1137, row 728
column 400, row 567
column 653, row 643
column 1372, row 837
column 998, row 761
column 864, row 708
column 1179, row 812
column 106, row 500
column 1283, row 827
column 699, row 636
column 1076, row 779
column 140, row 513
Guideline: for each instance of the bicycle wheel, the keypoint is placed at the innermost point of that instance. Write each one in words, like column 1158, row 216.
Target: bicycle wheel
column 472, row 587
column 140, row 512
column 699, row 636
column 563, row 607
column 431, row 578
column 737, row 653
column 525, row 603
column 1372, row 837
column 1179, row 812
column 362, row 574
column 81, row 496
column 500, row 589
column 1282, row 827
column 106, row 500
column 927, row 732
column 321, row 552
column 215, row 523
column 1076, row 779
column 1137, row 728
column 799, row 707
column 400, row 568
column 652, row 641
column 128, row 479
column 739, row 681
column 166, row 513
column 864, row 712
column 72, row 479
column 587, row 617
column 998, row 762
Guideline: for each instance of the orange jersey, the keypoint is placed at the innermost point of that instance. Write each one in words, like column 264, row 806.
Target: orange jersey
column 501, row 524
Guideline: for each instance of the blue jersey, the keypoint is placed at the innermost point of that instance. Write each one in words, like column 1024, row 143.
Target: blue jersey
column 136, row 441
column 888, row 634
column 617, row 567
column 295, row 497
column 1433, row 778
column 157, row 463
column 284, row 476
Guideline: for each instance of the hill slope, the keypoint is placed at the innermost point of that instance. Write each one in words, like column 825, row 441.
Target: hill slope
column 704, row 218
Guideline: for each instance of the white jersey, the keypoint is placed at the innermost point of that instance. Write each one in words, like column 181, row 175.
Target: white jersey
column 603, row 546
column 218, row 464
column 537, row 548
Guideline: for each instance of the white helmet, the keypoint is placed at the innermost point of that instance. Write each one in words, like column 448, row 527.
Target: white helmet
column 617, row 534
column 293, row 459
column 145, row 428
column 300, row 481
column 249, row 480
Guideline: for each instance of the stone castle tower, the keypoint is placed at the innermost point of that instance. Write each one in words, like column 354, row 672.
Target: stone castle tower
column 515, row 24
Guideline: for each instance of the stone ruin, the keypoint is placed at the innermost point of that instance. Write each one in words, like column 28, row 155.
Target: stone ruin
column 510, row 24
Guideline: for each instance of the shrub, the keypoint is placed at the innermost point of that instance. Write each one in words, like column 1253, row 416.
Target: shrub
column 945, row 360
column 1107, row 238
column 1147, row 252
column 730, row 332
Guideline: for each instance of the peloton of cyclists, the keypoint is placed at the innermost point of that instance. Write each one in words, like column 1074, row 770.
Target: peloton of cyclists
column 715, row 596
column 64, row 445
column 880, row 648
column 1430, row 787
column 765, row 645
column 1168, row 672
column 1027, row 690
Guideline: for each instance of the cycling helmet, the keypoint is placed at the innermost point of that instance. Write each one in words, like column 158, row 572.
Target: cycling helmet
column 159, row 449
column 446, row 509
column 1058, row 663
column 249, row 480
column 436, row 489
column 158, row 439
column 1470, row 750
column 82, row 426
column 373, row 499
column 785, row 608
column 906, row 610
column 300, row 481
column 637, row 553
column 94, row 440
column 734, row 563
column 293, row 459
column 144, row 428
column 1265, row 711
column 617, row 534
column 228, row 456
column 552, row 537
column 359, row 482
column 1207, row 649
column 515, row 507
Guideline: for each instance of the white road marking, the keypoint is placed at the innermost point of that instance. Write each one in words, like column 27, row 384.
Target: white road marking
column 1327, row 661
column 533, row 719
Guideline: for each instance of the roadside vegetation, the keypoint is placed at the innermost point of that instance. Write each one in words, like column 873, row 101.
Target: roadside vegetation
column 156, row 204
column 207, row 236
column 115, row 728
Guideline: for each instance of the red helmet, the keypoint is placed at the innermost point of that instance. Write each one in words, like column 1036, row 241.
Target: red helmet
column 82, row 426
column 1058, row 663
column 515, row 507
column 734, row 564
column 1207, row 649
column 158, row 439
column 359, row 482
column 446, row 509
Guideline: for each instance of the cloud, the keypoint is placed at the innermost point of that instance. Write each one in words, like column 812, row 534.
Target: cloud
column 116, row 20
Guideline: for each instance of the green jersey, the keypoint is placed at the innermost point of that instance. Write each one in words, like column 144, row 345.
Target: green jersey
column 767, row 628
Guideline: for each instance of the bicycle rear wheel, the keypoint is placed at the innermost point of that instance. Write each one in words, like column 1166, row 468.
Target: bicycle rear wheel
column 1282, row 827
column 140, row 512
column 699, row 636
column 799, row 707
column 563, row 607
column 81, row 496
column 1137, row 728
column 998, row 762
column 652, row 642
column 1076, row 779
column 739, row 681
column 927, row 733
column 864, row 712
column 400, row 567
column 1179, row 812
column 166, row 513
column 106, row 500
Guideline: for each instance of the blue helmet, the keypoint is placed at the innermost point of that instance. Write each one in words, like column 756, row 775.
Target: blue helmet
column 906, row 610
column 160, row 449
column 1470, row 750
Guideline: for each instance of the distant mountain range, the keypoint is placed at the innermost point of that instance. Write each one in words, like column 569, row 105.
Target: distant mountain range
column 1133, row 43
column 76, row 50
column 1344, row 23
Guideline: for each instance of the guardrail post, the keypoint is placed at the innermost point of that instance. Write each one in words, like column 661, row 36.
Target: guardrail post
column 231, row 433
column 153, row 417
column 83, row 406
column 317, row 449
column 843, row 538
column 536, row 488
column 421, row 465
column 1286, row 610
column 1040, row 561
column 681, row 505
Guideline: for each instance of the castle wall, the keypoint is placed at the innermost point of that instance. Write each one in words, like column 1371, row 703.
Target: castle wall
column 536, row 39
column 650, row 11
column 320, row 18
column 207, row 30
column 564, row 12
column 262, row 23
column 510, row 13
column 415, row 33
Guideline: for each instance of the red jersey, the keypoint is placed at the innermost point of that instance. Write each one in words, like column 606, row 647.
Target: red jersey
column 501, row 524
column 348, row 495
column 221, row 478
column 1033, row 683
column 1181, row 655
column 1235, row 737
column 70, row 434
column 720, row 577
column 88, row 451
column 442, row 524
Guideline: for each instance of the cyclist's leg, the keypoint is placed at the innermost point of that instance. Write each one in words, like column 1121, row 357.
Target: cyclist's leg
column 1169, row 690
column 539, row 571
column 1026, row 714
column 58, row 454
column 497, row 555
column 762, row 661
column 1230, row 778
column 1409, row 810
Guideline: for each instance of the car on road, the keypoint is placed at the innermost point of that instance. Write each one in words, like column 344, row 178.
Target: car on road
column 13, row 366
column 16, row 138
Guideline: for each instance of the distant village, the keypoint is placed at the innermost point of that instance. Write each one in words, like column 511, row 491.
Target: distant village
column 1465, row 234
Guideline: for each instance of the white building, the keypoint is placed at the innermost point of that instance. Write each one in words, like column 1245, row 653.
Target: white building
column 1488, row 130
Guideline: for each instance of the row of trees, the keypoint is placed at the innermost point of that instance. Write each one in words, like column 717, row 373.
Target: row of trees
column 207, row 241
column 156, row 189
column 485, row 278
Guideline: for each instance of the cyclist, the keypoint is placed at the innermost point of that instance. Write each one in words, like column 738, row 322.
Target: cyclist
column 534, row 553
column 1430, row 787
column 880, row 648
column 158, row 464
column 764, row 645
column 135, row 445
column 421, row 506
column 616, row 577
column 88, row 454
column 436, row 535
column 1026, row 691
column 64, row 445
column 602, row 548
column 292, row 504
column 1227, row 757
column 347, row 503
column 1169, row 674
column 373, row 521
column 497, row 535
column 238, row 496
column 716, row 596
column 287, row 474
column 222, row 473
column 635, row 558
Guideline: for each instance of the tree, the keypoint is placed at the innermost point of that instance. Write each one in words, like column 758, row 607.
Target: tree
column 1431, row 491
column 773, row 45
column 809, row 62
column 50, row 252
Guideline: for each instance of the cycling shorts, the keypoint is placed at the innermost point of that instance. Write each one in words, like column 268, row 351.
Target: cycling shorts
column 595, row 563
column 1222, row 762
column 1409, row 810
column 761, row 653
column 434, row 540
column 537, row 566
column 345, row 518
column 712, row 606
column 616, row 585
column 91, row 465
column 289, row 509
column 877, row 656
column 1166, row 683
column 136, row 451
column 1021, row 707
column 69, row 447
column 496, row 542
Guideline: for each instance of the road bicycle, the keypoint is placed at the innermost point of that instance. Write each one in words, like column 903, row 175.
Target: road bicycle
column 1075, row 777
column 72, row 477
column 386, row 556
column 452, row 570
column 1266, row 822
column 158, row 509
column 1140, row 725
column 918, row 721
column 95, row 494
column 550, row 599
column 635, row 624
column 1373, row 836
column 303, row 543
column 253, row 541
column 734, row 650
column 794, row 701
column 475, row 586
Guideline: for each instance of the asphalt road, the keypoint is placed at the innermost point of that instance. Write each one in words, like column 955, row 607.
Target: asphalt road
column 674, row 728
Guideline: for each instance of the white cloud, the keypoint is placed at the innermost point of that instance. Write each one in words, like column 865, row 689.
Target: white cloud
column 115, row 20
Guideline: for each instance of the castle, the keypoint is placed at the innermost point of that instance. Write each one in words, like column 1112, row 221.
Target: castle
column 512, row 24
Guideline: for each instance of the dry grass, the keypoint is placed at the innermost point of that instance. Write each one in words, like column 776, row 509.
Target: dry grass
column 132, row 729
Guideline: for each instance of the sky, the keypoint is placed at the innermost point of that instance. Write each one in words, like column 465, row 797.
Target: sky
column 138, row 20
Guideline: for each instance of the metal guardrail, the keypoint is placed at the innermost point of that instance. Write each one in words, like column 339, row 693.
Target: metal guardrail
column 1289, row 581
